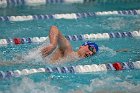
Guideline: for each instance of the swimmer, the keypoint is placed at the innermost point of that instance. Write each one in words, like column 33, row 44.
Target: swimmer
column 59, row 50
column 63, row 47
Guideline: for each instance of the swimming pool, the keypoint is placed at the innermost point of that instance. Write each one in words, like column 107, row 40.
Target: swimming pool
column 103, row 81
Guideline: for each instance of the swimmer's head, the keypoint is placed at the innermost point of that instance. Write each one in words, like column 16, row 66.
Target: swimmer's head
column 88, row 49
column 92, row 46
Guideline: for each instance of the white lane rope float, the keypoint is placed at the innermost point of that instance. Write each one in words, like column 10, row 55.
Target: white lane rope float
column 98, row 36
column 68, row 15
column 5, row 3
column 116, row 66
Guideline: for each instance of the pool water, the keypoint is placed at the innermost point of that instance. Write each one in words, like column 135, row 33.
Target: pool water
column 99, row 82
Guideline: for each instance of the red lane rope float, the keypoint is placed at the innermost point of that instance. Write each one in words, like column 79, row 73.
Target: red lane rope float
column 117, row 66
column 17, row 41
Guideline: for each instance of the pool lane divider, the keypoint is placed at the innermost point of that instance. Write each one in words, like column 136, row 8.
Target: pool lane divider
column 5, row 3
column 116, row 66
column 98, row 36
column 68, row 15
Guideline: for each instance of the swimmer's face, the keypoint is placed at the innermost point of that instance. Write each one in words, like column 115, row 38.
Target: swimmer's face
column 87, row 50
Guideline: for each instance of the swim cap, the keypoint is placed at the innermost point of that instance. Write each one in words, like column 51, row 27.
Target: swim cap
column 92, row 44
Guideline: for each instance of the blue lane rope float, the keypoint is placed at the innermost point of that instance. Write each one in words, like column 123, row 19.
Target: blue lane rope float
column 116, row 66
column 5, row 3
column 68, row 16
column 98, row 36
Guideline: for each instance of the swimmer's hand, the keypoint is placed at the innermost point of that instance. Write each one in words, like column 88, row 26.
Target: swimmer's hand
column 47, row 50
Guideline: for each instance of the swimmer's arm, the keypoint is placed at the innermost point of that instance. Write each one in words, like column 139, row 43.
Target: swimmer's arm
column 56, row 38
column 53, row 36
column 64, row 44
column 122, row 50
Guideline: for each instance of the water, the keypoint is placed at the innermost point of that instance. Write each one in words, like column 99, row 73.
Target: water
column 100, row 82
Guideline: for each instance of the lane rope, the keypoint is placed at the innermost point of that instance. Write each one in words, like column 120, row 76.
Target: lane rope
column 5, row 3
column 98, row 36
column 116, row 66
column 68, row 15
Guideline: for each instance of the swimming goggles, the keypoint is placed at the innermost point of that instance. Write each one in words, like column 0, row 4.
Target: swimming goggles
column 91, row 48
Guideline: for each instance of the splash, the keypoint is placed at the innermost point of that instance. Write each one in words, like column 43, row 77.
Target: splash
column 29, row 86
column 108, row 85
column 116, row 86
column 106, row 52
column 35, row 54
